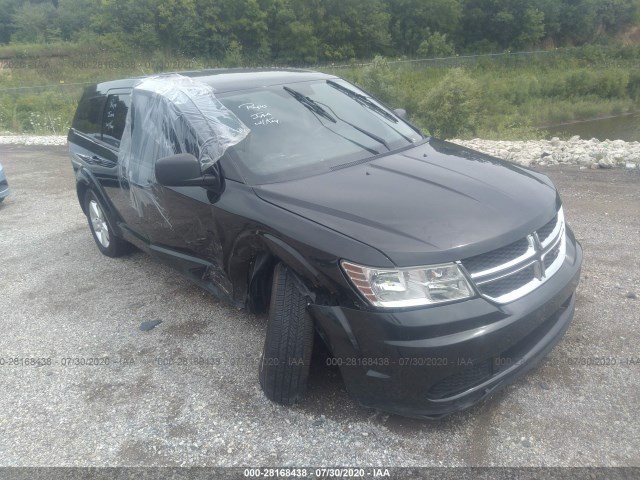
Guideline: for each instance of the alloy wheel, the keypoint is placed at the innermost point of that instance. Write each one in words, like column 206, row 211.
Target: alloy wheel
column 99, row 223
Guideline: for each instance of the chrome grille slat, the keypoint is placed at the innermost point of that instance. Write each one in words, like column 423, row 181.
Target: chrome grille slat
column 504, row 274
column 551, row 256
column 482, row 264
column 548, row 229
column 523, row 272
column 509, row 283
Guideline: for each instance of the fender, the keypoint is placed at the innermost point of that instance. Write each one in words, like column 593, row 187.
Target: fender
column 293, row 259
column 253, row 245
column 85, row 180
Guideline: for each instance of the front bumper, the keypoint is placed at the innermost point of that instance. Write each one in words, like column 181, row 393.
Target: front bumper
column 433, row 361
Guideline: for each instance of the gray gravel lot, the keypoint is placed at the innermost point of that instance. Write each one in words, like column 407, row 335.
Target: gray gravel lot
column 61, row 298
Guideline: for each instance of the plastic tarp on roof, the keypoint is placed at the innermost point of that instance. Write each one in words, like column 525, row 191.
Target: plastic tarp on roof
column 172, row 114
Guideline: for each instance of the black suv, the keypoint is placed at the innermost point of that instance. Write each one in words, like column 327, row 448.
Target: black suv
column 434, row 274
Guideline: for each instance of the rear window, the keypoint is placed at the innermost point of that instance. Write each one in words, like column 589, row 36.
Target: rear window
column 102, row 117
column 88, row 119
column 114, row 117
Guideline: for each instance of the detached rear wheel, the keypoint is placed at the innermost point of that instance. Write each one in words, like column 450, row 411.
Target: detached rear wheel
column 284, row 367
column 101, row 227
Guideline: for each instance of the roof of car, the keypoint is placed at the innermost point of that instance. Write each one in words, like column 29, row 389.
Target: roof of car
column 227, row 80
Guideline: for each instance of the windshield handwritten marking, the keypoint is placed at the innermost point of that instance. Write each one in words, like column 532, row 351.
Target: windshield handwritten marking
column 263, row 118
column 252, row 106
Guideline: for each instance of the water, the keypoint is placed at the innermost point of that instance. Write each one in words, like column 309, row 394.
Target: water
column 623, row 127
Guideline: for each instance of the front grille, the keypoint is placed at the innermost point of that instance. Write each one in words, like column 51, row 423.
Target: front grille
column 508, row 284
column 466, row 378
column 3, row 184
column 544, row 232
column 502, row 274
column 550, row 257
column 497, row 257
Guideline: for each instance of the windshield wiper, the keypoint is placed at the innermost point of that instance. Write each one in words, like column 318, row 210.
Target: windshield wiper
column 360, row 129
column 317, row 108
column 363, row 100
column 367, row 103
column 310, row 104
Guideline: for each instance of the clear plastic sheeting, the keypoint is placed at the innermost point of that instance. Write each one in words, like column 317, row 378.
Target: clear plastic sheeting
column 171, row 114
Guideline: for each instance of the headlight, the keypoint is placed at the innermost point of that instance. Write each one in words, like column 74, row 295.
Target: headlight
column 409, row 287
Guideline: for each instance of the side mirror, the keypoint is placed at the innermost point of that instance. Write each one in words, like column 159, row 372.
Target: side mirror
column 182, row 170
column 401, row 112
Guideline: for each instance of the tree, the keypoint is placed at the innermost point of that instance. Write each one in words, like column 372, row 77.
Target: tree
column 436, row 45
column 531, row 29
column 354, row 28
column 579, row 21
column 129, row 24
column 616, row 15
column 214, row 42
column 233, row 58
column 179, row 27
column 74, row 16
column 34, row 22
column 124, row 16
column 245, row 22
column 412, row 21
column 505, row 23
column 8, row 9
column 293, row 27
column 454, row 107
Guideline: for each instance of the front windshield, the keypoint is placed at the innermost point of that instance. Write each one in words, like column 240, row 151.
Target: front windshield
column 305, row 128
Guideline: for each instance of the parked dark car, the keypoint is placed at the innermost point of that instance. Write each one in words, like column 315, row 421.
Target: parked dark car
column 434, row 274
column 4, row 185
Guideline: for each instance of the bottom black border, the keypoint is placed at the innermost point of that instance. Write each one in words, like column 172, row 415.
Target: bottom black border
column 206, row 473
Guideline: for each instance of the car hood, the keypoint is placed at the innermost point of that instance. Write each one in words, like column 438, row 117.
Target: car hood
column 435, row 202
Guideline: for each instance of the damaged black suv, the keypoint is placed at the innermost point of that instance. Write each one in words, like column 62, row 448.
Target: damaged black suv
column 434, row 274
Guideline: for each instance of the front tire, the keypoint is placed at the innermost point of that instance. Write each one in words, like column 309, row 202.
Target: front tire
column 101, row 227
column 284, row 367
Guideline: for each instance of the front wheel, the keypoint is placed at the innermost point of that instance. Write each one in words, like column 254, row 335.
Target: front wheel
column 102, row 227
column 284, row 367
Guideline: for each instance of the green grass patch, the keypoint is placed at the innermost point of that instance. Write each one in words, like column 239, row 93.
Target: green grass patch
column 494, row 97
column 506, row 97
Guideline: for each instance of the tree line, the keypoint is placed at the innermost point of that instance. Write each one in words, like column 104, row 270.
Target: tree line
column 309, row 31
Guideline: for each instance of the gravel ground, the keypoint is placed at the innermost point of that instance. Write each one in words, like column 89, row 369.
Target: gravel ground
column 588, row 154
column 61, row 298
column 7, row 138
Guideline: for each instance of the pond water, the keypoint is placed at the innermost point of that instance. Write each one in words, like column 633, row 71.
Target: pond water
column 623, row 127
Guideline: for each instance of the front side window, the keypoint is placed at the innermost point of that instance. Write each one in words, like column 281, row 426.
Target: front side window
column 305, row 128
column 157, row 131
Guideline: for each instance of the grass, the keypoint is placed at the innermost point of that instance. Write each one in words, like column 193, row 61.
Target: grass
column 40, row 87
column 492, row 99
column 505, row 97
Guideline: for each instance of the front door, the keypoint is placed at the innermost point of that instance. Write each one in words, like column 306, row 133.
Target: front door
column 179, row 222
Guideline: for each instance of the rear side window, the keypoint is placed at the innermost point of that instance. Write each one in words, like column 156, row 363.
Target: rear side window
column 114, row 117
column 88, row 119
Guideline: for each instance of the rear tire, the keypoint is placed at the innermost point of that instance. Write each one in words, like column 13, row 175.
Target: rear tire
column 101, row 227
column 284, row 367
